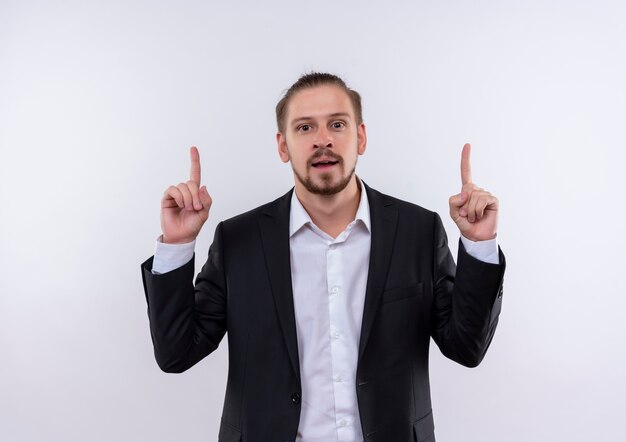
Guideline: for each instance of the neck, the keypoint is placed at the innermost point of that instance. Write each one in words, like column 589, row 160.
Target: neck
column 331, row 213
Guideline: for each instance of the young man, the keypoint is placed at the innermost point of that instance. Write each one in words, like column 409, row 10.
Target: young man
column 329, row 294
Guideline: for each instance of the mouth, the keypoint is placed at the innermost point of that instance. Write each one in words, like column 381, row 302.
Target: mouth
column 324, row 164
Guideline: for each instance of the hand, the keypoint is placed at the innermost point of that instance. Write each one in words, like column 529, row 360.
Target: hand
column 185, row 208
column 474, row 210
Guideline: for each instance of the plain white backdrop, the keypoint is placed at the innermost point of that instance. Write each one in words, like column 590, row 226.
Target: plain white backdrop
column 100, row 101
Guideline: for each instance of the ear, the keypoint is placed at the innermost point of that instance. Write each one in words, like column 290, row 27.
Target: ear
column 283, row 153
column 361, row 135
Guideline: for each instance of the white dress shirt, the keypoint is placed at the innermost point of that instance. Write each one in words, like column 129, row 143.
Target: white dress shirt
column 329, row 277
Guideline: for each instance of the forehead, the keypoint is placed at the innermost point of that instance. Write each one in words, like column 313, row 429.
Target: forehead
column 319, row 101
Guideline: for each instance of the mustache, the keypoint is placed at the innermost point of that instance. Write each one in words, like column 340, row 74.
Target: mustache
column 324, row 153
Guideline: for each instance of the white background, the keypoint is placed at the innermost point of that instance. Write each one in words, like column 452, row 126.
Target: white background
column 100, row 101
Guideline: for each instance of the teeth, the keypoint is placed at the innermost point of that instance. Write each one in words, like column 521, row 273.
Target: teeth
column 324, row 163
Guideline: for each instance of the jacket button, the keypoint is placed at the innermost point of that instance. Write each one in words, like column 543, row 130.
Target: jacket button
column 295, row 398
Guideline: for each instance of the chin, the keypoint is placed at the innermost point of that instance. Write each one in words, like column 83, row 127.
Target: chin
column 328, row 187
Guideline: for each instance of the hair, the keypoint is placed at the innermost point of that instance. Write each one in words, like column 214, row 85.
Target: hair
column 314, row 79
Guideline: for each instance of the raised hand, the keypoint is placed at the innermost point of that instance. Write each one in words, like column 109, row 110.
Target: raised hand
column 185, row 207
column 474, row 210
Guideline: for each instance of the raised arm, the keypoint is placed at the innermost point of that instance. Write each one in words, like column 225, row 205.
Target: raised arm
column 468, row 295
column 187, row 322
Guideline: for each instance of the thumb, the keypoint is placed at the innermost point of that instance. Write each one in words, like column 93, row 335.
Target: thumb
column 458, row 200
column 205, row 198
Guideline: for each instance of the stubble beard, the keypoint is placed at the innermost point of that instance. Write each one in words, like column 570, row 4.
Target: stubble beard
column 326, row 188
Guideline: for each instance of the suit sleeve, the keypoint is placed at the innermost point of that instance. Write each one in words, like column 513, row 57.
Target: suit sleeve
column 187, row 322
column 467, row 301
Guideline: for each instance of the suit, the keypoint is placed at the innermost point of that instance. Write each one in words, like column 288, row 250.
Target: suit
column 414, row 291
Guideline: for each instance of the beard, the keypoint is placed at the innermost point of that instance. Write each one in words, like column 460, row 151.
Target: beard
column 327, row 186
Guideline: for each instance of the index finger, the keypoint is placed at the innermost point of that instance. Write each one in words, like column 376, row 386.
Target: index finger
column 466, row 169
column 195, row 165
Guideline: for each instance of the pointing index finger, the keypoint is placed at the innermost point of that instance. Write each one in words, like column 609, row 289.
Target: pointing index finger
column 195, row 165
column 466, row 169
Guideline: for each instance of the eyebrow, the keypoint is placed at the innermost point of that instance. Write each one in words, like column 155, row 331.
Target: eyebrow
column 334, row 115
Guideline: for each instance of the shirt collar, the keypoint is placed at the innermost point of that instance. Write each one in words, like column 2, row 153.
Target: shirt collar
column 299, row 217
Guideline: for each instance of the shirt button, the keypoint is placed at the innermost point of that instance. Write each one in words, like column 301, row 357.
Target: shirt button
column 295, row 398
column 342, row 423
column 339, row 378
column 336, row 335
column 334, row 290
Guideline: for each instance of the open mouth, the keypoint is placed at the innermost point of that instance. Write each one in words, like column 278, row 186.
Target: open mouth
column 324, row 164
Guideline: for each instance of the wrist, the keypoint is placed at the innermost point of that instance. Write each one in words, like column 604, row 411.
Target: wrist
column 168, row 240
column 476, row 239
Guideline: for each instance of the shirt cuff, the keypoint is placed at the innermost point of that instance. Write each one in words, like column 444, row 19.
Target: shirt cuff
column 486, row 251
column 168, row 257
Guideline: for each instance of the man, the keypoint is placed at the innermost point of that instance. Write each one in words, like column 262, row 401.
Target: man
column 329, row 294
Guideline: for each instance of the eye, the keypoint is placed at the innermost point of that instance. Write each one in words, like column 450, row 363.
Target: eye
column 338, row 125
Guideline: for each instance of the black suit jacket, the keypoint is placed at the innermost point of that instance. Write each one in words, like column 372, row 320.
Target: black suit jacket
column 414, row 291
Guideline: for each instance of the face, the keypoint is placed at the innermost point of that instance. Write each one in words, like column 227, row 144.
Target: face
column 321, row 139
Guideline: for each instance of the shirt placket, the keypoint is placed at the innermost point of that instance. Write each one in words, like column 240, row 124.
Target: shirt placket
column 339, row 338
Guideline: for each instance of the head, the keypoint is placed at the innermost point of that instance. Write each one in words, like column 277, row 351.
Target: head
column 321, row 132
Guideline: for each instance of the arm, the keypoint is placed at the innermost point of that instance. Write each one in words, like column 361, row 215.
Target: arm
column 467, row 301
column 186, row 323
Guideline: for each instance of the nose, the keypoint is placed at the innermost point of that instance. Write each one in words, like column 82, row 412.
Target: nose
column 323, row 138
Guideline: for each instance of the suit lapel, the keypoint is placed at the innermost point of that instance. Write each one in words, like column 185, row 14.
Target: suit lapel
column 384, row 219
column 274, row 225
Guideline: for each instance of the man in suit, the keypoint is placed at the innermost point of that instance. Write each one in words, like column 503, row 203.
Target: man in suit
column 330, row 293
